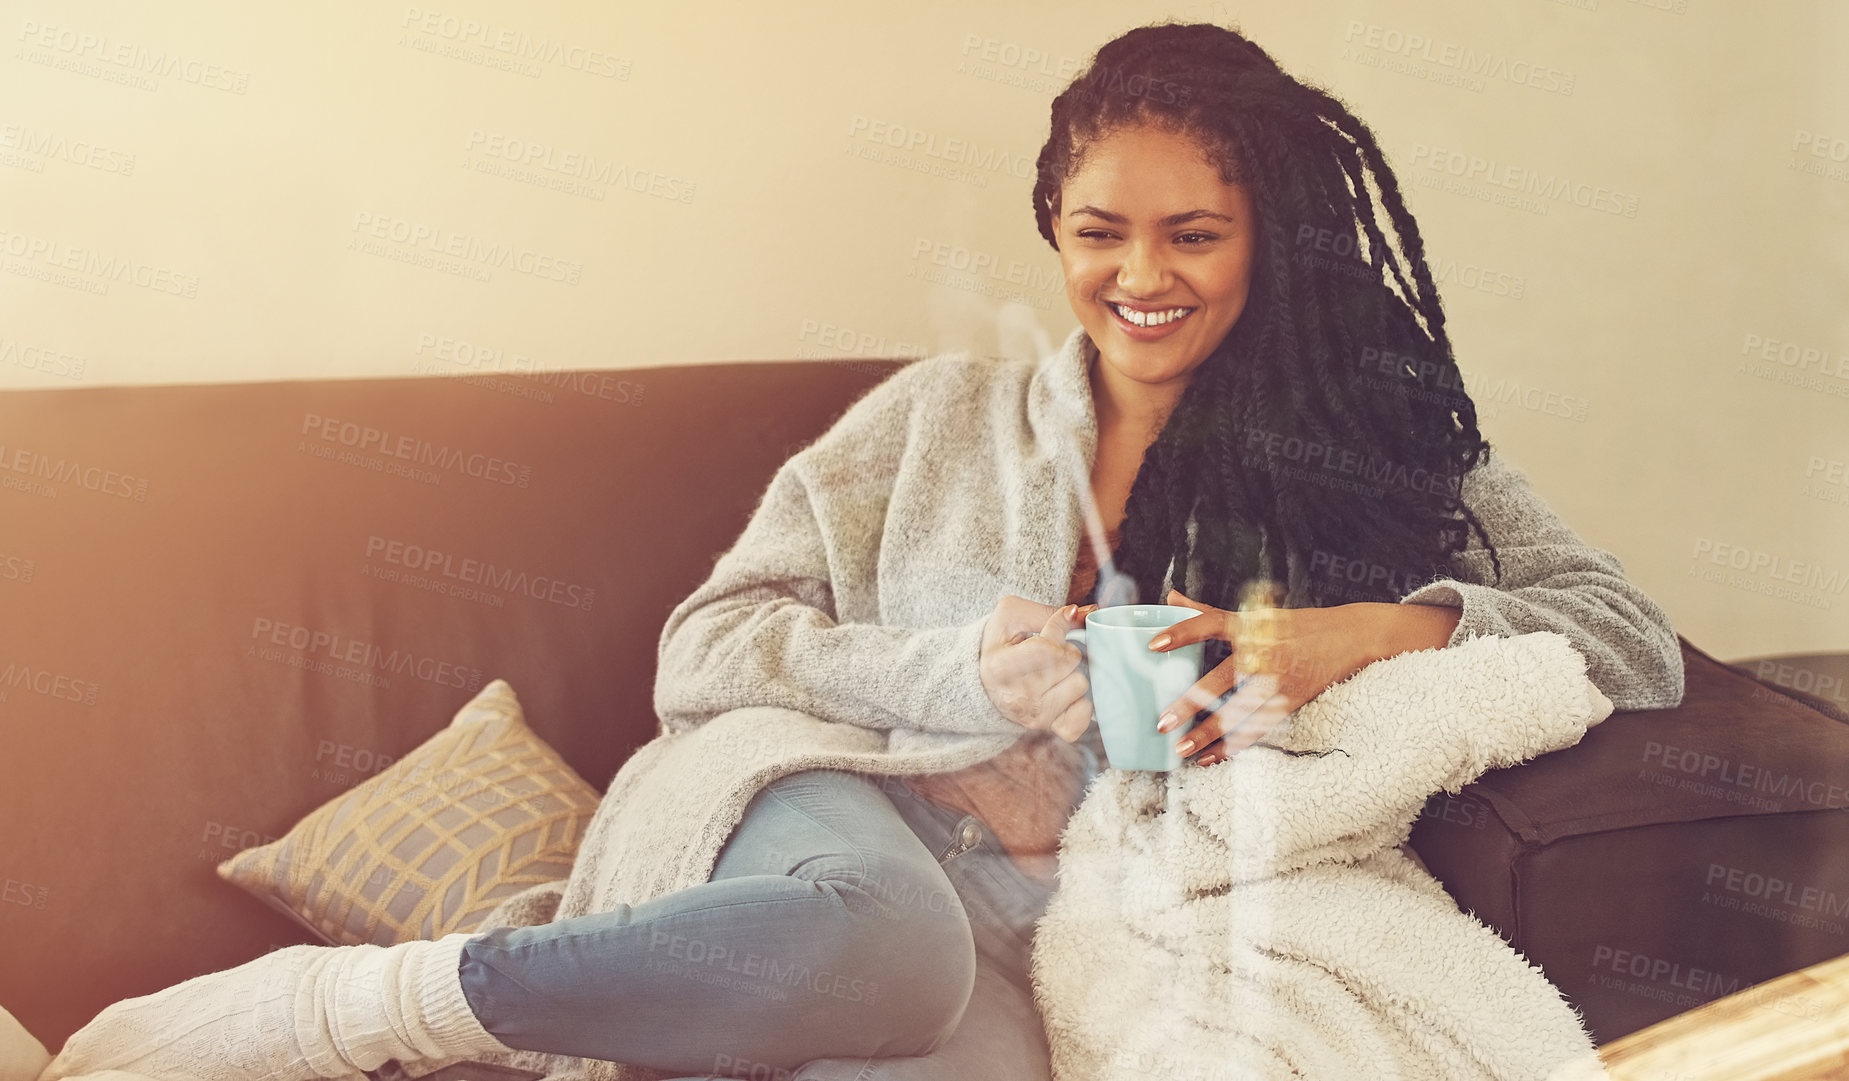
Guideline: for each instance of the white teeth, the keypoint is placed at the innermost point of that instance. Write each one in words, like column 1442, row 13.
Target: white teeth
column 1149, row 319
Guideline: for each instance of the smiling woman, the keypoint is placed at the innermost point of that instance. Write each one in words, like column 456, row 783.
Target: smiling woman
column 874, row 730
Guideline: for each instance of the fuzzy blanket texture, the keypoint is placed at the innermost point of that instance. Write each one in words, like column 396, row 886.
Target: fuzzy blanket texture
column 1256, row 920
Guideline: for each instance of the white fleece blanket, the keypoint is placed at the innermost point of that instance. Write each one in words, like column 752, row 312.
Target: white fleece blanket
column 1256, row 919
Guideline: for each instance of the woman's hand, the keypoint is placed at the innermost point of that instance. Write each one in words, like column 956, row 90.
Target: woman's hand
column 1282, row 658
column 1029, row 669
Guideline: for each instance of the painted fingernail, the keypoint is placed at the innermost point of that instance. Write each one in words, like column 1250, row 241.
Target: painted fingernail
column 1185, row 747
column 1160, row 641
column 1167, row 722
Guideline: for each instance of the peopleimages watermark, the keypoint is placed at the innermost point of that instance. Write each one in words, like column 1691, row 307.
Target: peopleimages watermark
column 984, row 273
column 28, row 148
column 1819, row 154
column 133, row 63
column 43, row 681
column 347, row 765
column 89, row 270
column 987, row 264
column 452, row 251
column 23, row 894
column 1664, row 971
column 1776, row 898
column 746, row 1069
column 469, row 571
column 1338, row 252
column 1424, row 379
column 1326, row 463
column 1689, row 985
column 1824, row 685
column 1462, row 65
column 966, row 154
column 480, row 364
column 353, row 659
column 1767, row 573
column 819, row 339
column 1807, row 366
column 573, row 172
column 1509, row 177
column 1012, row 64
column 1457, row 810
column 1793, row 355
column 518, row 50
column 1360, row 572
column 1826, row 479
column 17, row 569
column 22, row 468
column 407, row 452
column 44, row 359
column 1741, row 782
column 750, row 972
column 354, row 762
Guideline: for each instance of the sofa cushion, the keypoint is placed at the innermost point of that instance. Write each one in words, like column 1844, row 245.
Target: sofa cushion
column 478, row 812
column 1668, row 859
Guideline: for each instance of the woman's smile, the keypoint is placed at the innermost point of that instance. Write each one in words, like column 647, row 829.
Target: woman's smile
column 1145, row 324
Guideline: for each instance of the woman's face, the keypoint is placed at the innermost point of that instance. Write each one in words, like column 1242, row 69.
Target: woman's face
column 1157, row 252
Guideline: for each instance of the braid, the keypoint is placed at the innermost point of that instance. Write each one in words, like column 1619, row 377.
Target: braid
column 1334, row 359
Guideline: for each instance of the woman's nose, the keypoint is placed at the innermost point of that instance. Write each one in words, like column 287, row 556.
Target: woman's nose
column 1143, row 272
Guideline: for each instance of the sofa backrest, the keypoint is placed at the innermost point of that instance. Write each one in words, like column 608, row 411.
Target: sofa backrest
column 222, row 605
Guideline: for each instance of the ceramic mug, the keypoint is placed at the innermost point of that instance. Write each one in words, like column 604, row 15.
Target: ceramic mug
column 1131, row 683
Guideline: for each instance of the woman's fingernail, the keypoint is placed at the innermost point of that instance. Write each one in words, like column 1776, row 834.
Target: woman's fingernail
column 1185, row 748
column 1167, row 722
column 1160, row 641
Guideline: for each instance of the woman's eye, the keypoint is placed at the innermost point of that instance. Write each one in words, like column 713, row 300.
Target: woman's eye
column 1195, row 239
column 1093, row 234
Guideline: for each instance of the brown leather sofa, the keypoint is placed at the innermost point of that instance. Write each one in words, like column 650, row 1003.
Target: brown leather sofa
column 222, row 605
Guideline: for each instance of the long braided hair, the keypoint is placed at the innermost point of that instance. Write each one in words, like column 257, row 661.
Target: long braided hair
column 1321, row 446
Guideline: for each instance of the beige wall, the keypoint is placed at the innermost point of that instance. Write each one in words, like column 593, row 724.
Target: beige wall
column 209, row 192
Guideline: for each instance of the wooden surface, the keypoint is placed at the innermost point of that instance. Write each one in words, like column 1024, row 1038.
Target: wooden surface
column 1793, row 1028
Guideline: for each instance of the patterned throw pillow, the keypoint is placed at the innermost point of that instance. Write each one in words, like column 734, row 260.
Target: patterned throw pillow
column 481, row 810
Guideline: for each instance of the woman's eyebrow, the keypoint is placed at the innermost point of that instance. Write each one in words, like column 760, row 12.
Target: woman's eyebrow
column 1172, row 219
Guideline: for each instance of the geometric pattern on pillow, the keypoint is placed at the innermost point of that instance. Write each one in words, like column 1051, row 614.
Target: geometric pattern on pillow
column 481, row 810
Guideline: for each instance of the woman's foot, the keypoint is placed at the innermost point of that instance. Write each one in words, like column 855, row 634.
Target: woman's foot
column 295, row 1014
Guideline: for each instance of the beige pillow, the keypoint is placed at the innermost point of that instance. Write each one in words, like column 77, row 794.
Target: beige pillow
column 480, row 811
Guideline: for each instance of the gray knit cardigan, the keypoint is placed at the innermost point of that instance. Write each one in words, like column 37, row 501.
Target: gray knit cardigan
column 859, row 589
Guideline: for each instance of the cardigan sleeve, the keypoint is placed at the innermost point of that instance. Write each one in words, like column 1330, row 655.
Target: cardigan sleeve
column 1553, row 581
column 763, row 629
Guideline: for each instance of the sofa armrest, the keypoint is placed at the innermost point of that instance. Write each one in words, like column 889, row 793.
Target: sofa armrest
column 1671, row 857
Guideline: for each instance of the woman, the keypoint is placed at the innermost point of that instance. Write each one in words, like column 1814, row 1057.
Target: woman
column 856, row 833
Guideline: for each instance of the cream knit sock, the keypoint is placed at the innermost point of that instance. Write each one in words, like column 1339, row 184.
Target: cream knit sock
column 291, row 1015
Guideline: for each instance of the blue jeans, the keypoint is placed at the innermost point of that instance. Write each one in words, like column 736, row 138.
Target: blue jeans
column 851, row 930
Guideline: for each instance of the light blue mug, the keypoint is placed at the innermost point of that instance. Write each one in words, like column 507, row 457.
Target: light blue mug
column 1131, row 683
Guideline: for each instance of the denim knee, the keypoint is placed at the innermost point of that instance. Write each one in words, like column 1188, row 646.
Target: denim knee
column 912, row 939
